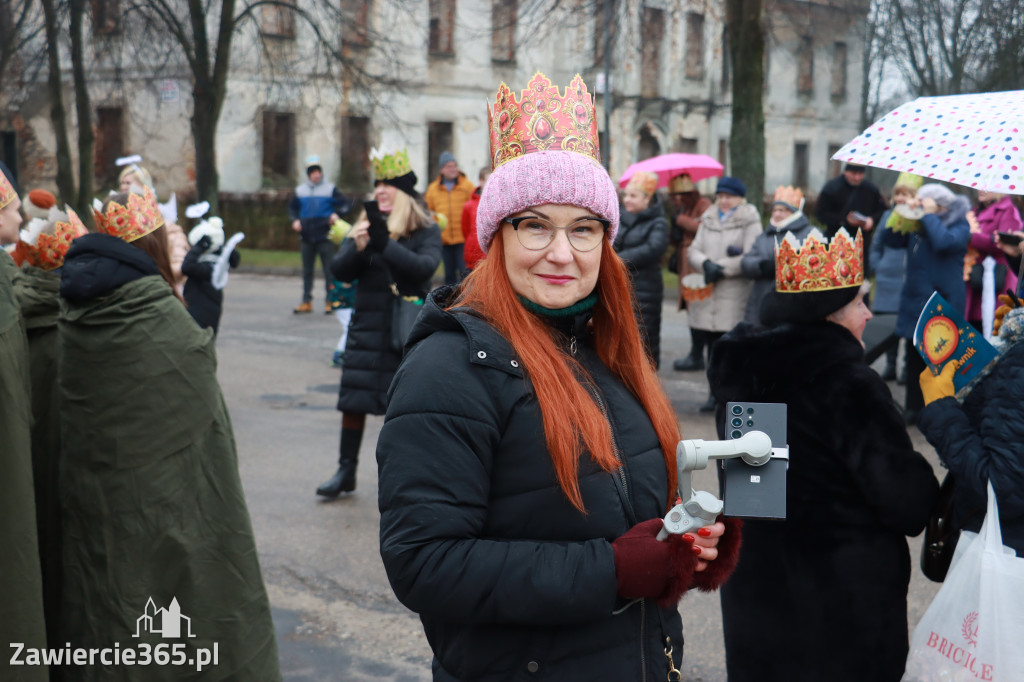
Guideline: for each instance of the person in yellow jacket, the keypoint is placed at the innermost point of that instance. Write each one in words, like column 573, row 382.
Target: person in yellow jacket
column 445, row 197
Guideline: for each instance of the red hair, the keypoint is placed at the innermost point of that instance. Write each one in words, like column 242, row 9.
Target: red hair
column 572, row 420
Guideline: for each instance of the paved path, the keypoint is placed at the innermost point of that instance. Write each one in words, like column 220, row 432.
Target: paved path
column 336, row 616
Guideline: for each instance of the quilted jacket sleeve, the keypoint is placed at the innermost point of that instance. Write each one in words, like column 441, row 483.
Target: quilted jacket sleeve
column 435, row 459
column 988, row 448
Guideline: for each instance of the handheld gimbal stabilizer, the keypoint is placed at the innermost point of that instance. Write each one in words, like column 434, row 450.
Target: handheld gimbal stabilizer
column 700, row 508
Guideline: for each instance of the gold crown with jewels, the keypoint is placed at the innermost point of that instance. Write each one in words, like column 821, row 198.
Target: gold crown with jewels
column 52, row 242
column 138, row 218
column 541, row 119
column 817, row 265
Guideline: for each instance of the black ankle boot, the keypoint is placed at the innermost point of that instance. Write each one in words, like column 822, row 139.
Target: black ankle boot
column 709, row 404
column 344, row 479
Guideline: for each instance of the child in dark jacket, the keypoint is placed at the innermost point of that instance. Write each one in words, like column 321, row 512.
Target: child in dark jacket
column 206, row 266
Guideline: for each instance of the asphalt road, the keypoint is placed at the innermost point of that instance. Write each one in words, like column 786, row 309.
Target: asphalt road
column 334, row 611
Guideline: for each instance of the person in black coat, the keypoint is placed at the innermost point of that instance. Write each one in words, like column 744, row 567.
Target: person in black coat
column 848, row 200
column 641, row 242
column 979, row 439
column 528, row 452
column 822, row 595
column 393, row 243
column 203, row 298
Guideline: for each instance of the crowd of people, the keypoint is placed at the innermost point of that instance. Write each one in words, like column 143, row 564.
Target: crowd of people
column 527, row 455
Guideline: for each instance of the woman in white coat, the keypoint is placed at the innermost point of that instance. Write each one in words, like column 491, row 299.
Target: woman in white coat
column 727, row 231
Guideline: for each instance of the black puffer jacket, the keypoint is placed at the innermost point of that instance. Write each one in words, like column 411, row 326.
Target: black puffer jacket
column 641, row 242
column 833, row 576
column 509, row 579
column 983, row 441
column 370, row 363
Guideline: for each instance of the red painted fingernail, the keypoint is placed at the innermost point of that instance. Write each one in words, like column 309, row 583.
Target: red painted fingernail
column 689, row 538
column 696, row 549
column 704, row 532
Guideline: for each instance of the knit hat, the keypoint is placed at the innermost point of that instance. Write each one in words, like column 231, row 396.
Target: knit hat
column 854, row 167
column 731, row 185
column 37, row 204
column 312, row 164
column 644, row 182
column 446, row 158
column 778, row 308
column 940, row 194
column 550, row 177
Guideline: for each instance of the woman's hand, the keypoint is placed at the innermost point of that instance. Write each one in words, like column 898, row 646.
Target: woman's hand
column 705, row 543
column 1008, row 248
column 928, row 205
column 360, row 234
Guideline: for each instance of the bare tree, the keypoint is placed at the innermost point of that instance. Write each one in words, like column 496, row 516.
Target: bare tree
column 744, row 23
column 18, row 28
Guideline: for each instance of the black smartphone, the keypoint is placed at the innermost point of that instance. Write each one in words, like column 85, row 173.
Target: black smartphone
column 1009, row 238
column 757, row 492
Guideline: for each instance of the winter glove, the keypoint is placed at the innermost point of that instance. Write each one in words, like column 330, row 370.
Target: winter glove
column 937, row 386
column 719, row 570
column 733, row 250
column 378, row 230
column 768, row 268
column 713, row 271
column 647, row 567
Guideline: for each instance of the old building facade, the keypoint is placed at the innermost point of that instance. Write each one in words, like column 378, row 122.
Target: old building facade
column 417, row 73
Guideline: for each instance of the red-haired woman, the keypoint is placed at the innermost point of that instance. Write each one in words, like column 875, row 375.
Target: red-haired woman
column 527, row 455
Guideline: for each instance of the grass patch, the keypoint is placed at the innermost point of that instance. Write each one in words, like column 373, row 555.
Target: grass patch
column 266, row 258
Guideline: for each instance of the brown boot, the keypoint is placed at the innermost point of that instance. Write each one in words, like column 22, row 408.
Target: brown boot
column 304, row 307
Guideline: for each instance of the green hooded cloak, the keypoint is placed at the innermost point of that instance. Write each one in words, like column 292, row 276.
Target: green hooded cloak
column 37, row 293
column 152, row 502
column 21, row 586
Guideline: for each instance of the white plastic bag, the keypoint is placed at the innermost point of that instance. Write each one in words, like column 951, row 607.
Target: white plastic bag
column 974, row 629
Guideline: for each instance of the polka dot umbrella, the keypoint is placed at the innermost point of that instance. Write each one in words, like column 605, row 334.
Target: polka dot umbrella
column 970, row 140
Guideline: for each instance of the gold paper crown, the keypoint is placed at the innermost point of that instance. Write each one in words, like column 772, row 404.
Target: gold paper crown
column 50, row 248
column 541, row 119
column 817, row 265
column 140, row 217
column 388, row 166
column 7, row 193
column 791, row 196
column 908, row 181
column 681, row 184
column 644, row 181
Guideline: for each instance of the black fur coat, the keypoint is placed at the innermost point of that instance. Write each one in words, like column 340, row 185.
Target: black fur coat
column 823, row 594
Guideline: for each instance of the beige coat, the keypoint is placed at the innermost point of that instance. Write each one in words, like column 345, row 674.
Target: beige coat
column 724, row 309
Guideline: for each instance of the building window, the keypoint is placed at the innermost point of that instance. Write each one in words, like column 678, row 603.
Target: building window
column 442, row 26
column 355, row 22
column 106, row 16
column 686, row 145
column 439, row 139
column 278, row 148
column 109, row 145
column 647, row 145
column 805, row 67
column 278, row 21
column 839, row 71
column 801, row 158
column 834, row 165
column 723, row 154
column 355, row 154
column 504, row 14
column 653, row 30
column 694, row 46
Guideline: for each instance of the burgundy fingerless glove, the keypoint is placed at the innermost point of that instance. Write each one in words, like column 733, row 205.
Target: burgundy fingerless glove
column 719, row 570
column 646, row 567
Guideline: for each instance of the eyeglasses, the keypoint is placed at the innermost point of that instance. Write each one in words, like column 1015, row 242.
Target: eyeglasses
column 536, row 233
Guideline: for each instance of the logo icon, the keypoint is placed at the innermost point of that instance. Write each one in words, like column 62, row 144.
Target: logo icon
column 969, row 629
column 166, row 622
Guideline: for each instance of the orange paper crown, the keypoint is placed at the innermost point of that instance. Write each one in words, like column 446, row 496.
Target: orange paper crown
column 644, row 181
column 541, row 120
column 7, row 193
column 140, row 217
column 49, row 250
column 791, row 196
column 817, row 265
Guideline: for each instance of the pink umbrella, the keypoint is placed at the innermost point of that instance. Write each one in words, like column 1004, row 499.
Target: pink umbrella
column 667, row 166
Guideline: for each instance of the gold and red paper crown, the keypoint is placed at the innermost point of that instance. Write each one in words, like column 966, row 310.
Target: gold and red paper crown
column 140, row 217
column 817, row 265
column 52, row 243
column 7, row 193
column 541, row 120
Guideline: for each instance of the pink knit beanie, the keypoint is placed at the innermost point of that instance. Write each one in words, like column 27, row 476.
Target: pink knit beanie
column 551, row 177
